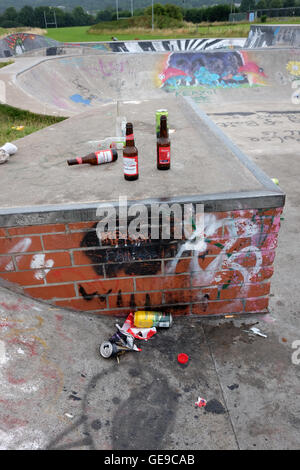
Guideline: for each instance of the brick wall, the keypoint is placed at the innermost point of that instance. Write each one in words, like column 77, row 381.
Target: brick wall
column 229, row 273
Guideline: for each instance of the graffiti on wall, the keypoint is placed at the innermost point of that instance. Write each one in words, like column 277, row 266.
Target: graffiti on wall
column 230, row 69
column 19, row 43
column 16, row 42
column 293, row 68
column 234, row 251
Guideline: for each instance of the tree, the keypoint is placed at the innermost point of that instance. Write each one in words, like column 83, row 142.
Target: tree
column 261, row 5
column 247, row 5
column 173, row 11
column 26, row 16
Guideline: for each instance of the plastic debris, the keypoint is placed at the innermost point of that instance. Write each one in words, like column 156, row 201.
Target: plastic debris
column 6, row 150
column 123, row 340
column 256, row 331
column 18, row 128
column 182, row 358
column 201, row 402
column 4, row 156
column 275, row 181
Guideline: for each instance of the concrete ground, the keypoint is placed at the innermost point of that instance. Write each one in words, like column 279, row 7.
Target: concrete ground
column 57, row 392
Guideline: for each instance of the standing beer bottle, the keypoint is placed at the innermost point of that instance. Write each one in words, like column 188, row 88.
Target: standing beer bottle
column 130, row 155
column 163, row 146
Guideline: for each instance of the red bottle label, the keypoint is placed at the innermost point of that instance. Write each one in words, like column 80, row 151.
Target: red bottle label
column 104, row 156
column 130, row 137
column 130, row 165
column 164, row 155
column 79, row 160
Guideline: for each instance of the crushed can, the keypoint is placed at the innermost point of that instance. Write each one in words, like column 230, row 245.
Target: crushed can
column 148, row 319
column 158, row 114
column 108, row 349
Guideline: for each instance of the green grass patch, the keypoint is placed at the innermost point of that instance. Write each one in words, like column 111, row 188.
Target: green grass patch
column 4, row 64
column 11, row 117
column 131, row 29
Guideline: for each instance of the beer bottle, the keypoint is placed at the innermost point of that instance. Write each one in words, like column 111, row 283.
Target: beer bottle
column 96, row 158
column 130, row 155
column 163, row 146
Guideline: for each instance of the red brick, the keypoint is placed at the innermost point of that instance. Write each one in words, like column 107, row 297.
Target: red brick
column 60, row 259
column 263, row 273
column 249, row 259
column 162, row 283
column 51, row 292
column 245, row 214
column 218, row 308
column 258, row 290
column 257, row 305
column 32, row 229
column 6, row 263
column 272, row 212
column 72, row 274
column 23, row 278
column 2, row 232
column 62, row 241
column 125, row 300
column 185, row 265
column 82, row 304
column 19, row 244
column 225, row 276
column 189, row 295
column 81, row 225
column 243, row 291
column 80, row 258
column 103, row 286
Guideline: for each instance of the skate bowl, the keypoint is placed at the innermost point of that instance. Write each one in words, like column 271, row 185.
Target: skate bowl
column 273, row 36
column 19, row 43
column 50, row 245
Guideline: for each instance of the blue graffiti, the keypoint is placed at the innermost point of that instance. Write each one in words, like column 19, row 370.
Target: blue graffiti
column 79, row 99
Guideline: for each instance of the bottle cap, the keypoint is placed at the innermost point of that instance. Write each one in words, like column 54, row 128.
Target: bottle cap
column 182, row 358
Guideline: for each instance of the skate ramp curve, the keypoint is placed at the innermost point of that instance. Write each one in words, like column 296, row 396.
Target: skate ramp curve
column 20, row 43
column 75, row 84
column 273, row 36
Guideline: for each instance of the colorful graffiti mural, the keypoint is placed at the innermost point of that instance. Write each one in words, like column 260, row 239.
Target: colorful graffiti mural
column 226, row 69
column 19, row 43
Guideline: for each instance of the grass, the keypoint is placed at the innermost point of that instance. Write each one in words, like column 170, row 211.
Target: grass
column 14, row 117
column 4, row 64
column 105, row 31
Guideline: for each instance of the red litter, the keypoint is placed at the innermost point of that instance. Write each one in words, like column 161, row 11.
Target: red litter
column 201, row 402
column 182, row 358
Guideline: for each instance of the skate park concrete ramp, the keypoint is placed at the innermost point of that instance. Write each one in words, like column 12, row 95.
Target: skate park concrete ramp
column 72, row 84
column 19, row 43
column 273, row 36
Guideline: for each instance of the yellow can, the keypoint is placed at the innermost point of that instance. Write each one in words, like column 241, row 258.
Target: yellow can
column 146, row 319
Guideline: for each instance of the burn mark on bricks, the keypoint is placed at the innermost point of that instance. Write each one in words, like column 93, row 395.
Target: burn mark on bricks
column 204, row 302
column 119, row 299
column 89, row 297
column 132, row 301
column 133, row 257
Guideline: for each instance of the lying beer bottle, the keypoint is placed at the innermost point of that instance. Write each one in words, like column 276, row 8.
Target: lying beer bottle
column 96, row 158
column 130, row 155
column 163, row 146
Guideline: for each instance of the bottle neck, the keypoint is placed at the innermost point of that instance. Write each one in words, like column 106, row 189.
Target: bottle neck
column 163, row 129
column 129, row 136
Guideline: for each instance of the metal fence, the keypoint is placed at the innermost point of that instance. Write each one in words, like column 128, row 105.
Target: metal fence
column 269, row 13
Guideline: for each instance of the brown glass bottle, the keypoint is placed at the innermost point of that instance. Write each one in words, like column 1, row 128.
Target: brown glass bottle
column 163, row 146
column 130, row 155
column 96, row 158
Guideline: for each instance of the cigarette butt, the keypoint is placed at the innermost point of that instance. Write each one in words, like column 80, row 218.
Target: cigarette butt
column 228, row 316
